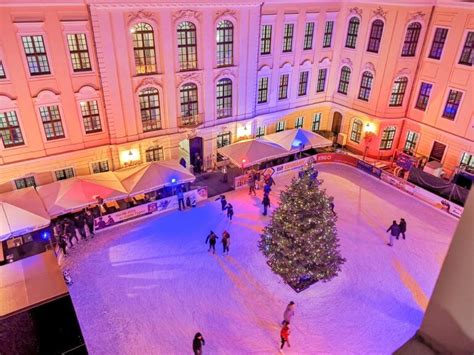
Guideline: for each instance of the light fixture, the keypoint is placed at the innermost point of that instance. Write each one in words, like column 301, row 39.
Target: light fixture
column 130, row 154
column 173, row 180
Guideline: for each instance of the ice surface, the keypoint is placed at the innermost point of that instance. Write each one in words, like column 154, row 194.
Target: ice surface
column 147, row 287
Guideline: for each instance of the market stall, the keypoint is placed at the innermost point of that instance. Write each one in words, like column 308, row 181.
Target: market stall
column 298, row 139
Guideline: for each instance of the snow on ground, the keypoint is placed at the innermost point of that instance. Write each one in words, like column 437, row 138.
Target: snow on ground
column 147, row 287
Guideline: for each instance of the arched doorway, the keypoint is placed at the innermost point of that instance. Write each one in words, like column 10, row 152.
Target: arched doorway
column 190, row 148
column 336, row 123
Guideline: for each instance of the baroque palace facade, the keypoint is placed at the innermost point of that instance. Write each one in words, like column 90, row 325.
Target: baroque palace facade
column 93, row 85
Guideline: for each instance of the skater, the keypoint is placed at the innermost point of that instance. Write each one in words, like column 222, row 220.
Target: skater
column 403, row 227
column 230, row 211
column 79, row 223
column 269, row 180
column 180, row 196
column 198, row 342
column 267, row 189
column 223, row 201
column 331, row 204
column 256, row 178
column 289, row 312
column 225, row 242
column 62, row 244
column 285, row 334
column 212, row 238
column 89, row 218
column 265, row 203
column 394, row 232
column 251, row 184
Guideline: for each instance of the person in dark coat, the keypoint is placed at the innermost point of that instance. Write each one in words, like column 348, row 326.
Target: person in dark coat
column 80, row 224
column 198, row 342
column 225, row 242
column 266, row 189
column 394, row 230
column 62, row 244
column 251, row 184
column 265, row 203
column 212, row 238
column 182, row 162
column 230, row 211
column 403, row 227
column 223, row 201
column 180, row 196
column 197, row 164
column 70, row 232
column 89, row 219
column 269, row 180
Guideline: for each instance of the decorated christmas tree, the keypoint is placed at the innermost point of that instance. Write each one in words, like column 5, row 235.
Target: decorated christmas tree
column 301, row 242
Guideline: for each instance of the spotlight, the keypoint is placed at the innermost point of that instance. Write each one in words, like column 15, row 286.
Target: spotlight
column 45, row 235
column 173, row 180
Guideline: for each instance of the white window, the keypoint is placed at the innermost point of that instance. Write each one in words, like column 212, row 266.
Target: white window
column 280, row 126
column 299, row 122
column 100, row 166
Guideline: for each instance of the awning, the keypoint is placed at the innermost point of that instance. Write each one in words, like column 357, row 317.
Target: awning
column 298, row 138
column 73, row 194
column 21, row 212
column 151, row 176
column 252, row 151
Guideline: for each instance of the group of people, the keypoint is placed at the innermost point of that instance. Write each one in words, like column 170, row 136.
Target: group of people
column 396, row 229
column 212, row 240
column 68, row 228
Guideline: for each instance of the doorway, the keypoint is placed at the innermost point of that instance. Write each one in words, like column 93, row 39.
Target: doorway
column 437, row 152
column 188, row 148
column 336, row 123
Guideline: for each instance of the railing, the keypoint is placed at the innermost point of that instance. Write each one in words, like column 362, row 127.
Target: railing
column 190, row 121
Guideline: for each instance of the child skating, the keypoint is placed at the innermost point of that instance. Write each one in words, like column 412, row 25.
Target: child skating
column 212, row 238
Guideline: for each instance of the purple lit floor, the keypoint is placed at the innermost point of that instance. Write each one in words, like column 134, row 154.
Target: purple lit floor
column 147, row 287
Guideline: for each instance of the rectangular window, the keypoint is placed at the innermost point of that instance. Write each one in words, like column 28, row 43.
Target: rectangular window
column 10, row 129
column 308, row 35
column 77, row 43
column 288, row 37
column 303, row 83
column 356, row 131
column 260, row 132
column 223, row 139
column 467, row 160
column 266, row 39
column 25, row 182
column 438, row 43
column 100, row 166
column 327, row 39
column 467, row 50
column 423, row 96
column 322, row 73
column 410, row 143
column 280, row 126
column 90, row 116
column 2, row 71
column 283, row 88
column 51, row 118
column 452, row 104
column 154, row 153
column 36, row 57
column 316, row 122
column 64, row 174
column 387, row 138
column 262, row 90
column 299, row 122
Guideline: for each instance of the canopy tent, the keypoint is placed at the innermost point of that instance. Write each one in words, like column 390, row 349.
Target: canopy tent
column 147, row 177
column 72, row 194
column 298, row 138
column 252, row 151
column 21, row 212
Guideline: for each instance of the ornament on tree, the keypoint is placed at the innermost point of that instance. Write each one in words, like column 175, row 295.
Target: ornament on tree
column 301, row 242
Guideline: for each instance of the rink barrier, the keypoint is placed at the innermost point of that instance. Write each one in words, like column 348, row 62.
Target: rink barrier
column 401, row 184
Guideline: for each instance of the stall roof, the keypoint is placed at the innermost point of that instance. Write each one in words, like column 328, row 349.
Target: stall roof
column 28, row 282
column 72, row 194
column 294, row 139
column 21, row 212
column 252, row 151
column 151, row 176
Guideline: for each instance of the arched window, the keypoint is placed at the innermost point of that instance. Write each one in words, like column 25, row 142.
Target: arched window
column 375, row 36
column 144, row 48
column 189, row 103
column 365, row 85
column 187, row 51
column 344, row 80
column 154, row 153
column 352, row 31
column 387, row 138
column 398, row 91
column 150, row 109
column 411, row 39
column 356, row 131
column 224, row 98
column 225, row 43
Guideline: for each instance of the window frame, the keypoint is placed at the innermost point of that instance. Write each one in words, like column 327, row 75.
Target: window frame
column 439, row 42
column 283, row 86
column 99, row 164
column 344, row 81
column 365, row 86
column 288, row 34
column 457, row 104
column 65, row 172
column 321, row 80
column 26, row 180
column 51, row 121
column 356, row 131
column 328, row 33
column 36, row 55
column 145, row 96
column 352, row 32
column 266, row 41
column 303, row 83
column 374, row 41
column 316, row 122
column 223, row 139
column 399, row 89
column 78, row 52
column 187, row 91
column 423, row 97
column 461, row 52
column 3, row 73
column 10, row 127
column 261, row 90
column 224, row 86
column 280, row 126
column 152, row 151
column 386, row 141
column 299, row 122
column 186, row 47
column 226, row 44
column 308, row 38
column 410, row 143
column 411, row 39
column 94, row 117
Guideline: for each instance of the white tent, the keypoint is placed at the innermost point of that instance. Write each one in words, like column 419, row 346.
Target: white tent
column 251, row 151
column 21, row 212
column 147, row 177
column 72, row 194
column 298, row 138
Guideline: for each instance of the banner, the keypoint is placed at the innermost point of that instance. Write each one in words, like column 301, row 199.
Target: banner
column 154, row 207
column 405, row 161
column 336, row 158
column 368, row 168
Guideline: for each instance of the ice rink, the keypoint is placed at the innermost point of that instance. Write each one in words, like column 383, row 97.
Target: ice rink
column 147, row 287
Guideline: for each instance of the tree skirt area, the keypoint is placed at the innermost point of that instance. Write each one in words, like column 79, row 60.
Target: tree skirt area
column 147, row 287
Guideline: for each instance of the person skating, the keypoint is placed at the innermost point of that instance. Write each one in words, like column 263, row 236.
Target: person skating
column 331, row 204
column 251, row 184
column 230, row 211
column 289, row 312
column 266, row 189
column 225, row 242
column 212, row 238
column 265, row 203
column 394, row 232
column 89, row 219
column 403, row 227
column 269, row 180
column 285, row 334
column 223, row 201
column 198, row 342
column 180, row 196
